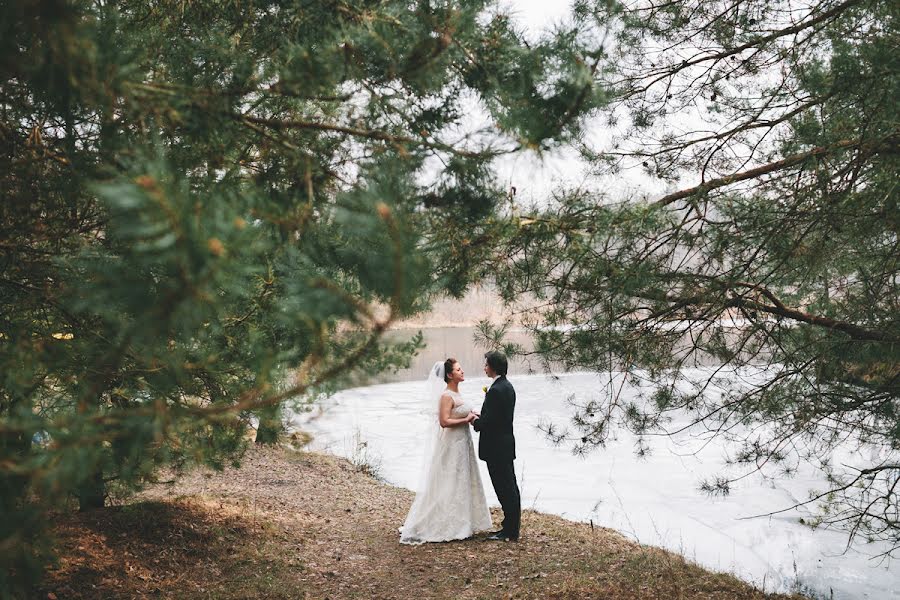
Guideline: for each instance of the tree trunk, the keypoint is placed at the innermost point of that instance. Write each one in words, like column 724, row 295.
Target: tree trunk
column 270, row 426
column 92, row 491
column 14, row 446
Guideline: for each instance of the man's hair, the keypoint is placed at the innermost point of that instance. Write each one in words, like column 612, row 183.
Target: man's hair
column 497, row 362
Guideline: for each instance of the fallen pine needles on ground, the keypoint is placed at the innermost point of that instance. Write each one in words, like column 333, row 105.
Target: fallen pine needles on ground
column 291, row 524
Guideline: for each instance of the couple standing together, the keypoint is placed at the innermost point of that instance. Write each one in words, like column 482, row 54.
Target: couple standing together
column 450, row 502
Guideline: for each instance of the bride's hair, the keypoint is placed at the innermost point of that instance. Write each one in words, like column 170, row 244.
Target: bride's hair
column 448, row 367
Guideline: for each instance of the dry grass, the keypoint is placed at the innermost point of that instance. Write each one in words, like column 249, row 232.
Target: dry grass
column 302, row 525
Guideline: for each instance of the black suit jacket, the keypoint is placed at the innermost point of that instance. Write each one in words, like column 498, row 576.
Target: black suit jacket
column 497, row 443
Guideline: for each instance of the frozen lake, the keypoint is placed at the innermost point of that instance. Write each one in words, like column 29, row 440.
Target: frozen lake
column 654, row 500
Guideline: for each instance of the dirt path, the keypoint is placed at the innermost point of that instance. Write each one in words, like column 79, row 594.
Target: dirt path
column 303, row 525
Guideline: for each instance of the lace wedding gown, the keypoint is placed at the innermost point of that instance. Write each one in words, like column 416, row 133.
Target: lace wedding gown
column 451, row 503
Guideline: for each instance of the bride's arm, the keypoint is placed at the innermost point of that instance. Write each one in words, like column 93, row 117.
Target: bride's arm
column 444, row 417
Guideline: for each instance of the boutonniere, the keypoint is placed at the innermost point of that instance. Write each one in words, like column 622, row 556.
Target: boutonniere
column 484, row 389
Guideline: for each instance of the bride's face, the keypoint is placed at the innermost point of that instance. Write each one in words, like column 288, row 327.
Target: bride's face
column 457, row 374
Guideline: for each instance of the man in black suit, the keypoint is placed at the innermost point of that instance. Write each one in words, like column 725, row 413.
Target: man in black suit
column 497, row 445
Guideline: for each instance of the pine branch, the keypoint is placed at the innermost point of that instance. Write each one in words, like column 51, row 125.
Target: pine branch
column 889, row 142
column 372, row 134
column 755, row 43
column 748, row 125
column 854, row 331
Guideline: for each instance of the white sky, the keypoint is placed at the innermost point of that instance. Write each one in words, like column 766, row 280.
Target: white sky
column 535, row 177
column 537, row 14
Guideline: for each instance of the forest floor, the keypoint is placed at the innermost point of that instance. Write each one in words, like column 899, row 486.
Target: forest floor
column 294, row 524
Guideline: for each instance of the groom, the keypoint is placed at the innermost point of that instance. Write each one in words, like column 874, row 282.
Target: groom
column 497, row 445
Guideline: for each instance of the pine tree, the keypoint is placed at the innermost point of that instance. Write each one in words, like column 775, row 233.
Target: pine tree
column 214, row 208
column 776, row 254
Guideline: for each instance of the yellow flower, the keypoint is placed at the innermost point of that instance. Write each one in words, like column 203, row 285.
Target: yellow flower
column 484, row 389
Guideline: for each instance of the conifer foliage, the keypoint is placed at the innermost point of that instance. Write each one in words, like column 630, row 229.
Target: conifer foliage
column 773, row 261
column 213, row 208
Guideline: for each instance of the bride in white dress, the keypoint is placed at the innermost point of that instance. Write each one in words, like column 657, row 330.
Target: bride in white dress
column 450, row 502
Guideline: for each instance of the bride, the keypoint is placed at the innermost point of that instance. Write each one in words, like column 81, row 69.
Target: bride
column 450, row 502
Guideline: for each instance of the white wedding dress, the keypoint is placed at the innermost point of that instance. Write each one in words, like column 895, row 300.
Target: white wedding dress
column 450, row 503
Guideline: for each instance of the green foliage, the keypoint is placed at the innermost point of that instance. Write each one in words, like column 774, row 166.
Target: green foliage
column 213, row 208
column 778, row 270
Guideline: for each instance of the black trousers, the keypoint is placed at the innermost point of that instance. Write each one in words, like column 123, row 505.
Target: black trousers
column 504, row 479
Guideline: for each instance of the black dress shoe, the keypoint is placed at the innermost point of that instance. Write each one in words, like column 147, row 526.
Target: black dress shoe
column 502, row 537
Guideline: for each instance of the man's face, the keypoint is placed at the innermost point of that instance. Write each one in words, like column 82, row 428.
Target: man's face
column 488, row 370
